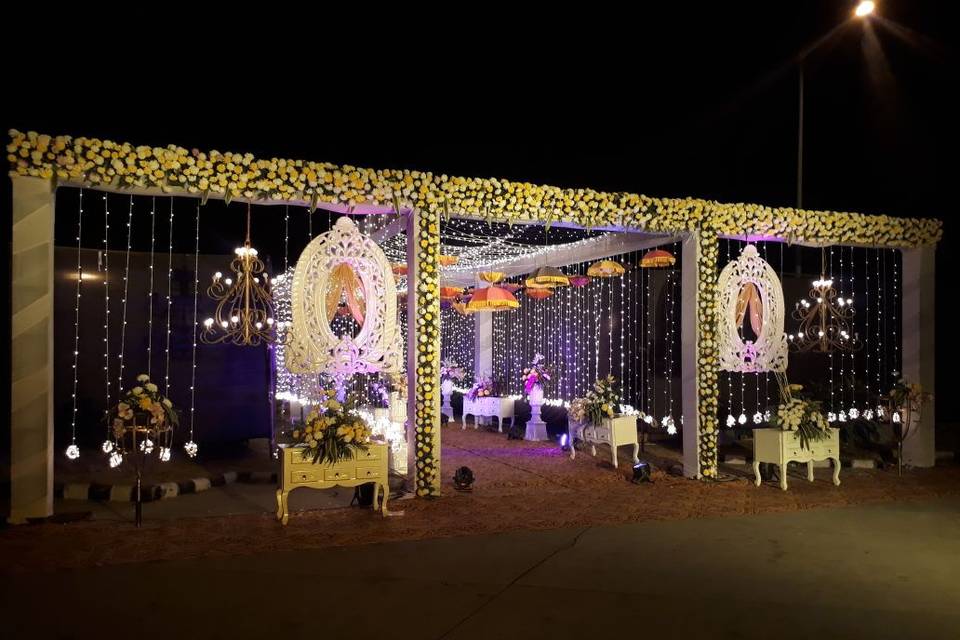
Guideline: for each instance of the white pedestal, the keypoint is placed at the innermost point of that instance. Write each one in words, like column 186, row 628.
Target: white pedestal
column 536, row 428
column 446, row 390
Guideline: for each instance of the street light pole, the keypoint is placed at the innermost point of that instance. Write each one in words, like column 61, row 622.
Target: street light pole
column 800, row 136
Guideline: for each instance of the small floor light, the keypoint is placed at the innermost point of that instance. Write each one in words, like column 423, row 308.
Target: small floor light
column 463, row 479
column 641, row 472
column 563, row 442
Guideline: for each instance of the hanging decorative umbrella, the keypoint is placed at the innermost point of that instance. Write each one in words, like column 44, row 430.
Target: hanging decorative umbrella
column 447, row 261
column 493, row 277
column 530, row 283
column 550, row 276
column 461, row 308
column 579, row 281
column 399, row 269
column 605, row 269
column 492, row 299
column 539, row 294
column 449, row 293
column 657, row 258
column 512, row 287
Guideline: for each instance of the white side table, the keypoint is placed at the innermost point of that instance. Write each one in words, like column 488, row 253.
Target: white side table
column 781, row 447
column 617, row 431
column 489, row 406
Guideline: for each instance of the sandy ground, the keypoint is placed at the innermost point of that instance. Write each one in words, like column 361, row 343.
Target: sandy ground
column 519, row 486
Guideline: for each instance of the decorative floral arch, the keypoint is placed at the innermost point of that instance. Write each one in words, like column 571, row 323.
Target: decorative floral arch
column 313, row 347
column 750, row 285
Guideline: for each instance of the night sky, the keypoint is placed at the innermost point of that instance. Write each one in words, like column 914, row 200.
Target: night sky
column 692, row 101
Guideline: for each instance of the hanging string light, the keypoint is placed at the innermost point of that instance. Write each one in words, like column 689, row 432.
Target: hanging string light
column 190, row 447
column 107, row 446
column 825, row 320
column 731, row 420
column 153, row 238
column 244, row 315
column 126, row 290
column 166, row 351
column 73, row 451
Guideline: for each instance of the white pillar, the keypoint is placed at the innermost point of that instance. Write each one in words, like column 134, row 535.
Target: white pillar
column 31, row 357
column 482, row 344
column 918, row 347
column 688, row 355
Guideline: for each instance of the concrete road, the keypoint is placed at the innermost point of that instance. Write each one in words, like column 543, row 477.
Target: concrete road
column 888, row 571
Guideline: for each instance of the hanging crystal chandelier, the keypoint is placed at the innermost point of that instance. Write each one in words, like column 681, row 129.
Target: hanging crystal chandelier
column 826, row 319
column 244, row 314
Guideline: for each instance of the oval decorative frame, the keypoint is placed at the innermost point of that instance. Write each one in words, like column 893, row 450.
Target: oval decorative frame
column 312, row 346
column 769, row 352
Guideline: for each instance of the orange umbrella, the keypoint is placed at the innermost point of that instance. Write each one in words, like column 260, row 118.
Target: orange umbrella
column 446, row 261
column 579, row 281
column 539, row 294
column 657, row 258
column 492, row 299
column 449, row 293
column 399, row 269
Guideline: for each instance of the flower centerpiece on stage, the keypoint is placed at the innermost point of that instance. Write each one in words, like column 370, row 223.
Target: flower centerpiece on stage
column 799, row 413
column 142, row 422
column 535, row 375
column 599, row 403
column 480, row 389
column 333, row 431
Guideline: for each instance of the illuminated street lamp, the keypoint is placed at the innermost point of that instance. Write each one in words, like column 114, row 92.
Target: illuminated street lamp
column 864, row 9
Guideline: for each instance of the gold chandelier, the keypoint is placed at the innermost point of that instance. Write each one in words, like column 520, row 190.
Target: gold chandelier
column 825, row 319
column 244, row 314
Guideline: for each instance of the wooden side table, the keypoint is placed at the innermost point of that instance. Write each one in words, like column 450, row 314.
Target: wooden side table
column 781, row 447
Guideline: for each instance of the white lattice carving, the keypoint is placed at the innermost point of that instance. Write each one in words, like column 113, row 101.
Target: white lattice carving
column 313, row 347
column 769, row 352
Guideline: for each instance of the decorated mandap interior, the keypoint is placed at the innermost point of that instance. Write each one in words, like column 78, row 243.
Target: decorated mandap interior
column 166, row 298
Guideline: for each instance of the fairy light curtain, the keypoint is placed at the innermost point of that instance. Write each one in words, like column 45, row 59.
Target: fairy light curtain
column 457, row 340
column 626, row 326
column 847, row 383
column 152, row 291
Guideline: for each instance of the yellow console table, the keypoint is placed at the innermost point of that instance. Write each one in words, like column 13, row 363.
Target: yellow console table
column 297, row 471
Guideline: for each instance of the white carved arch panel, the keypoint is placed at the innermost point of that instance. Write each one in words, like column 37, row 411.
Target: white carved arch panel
column 313, row 346
column 745, row 283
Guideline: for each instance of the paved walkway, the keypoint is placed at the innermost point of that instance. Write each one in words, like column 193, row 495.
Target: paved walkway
column 885, row 571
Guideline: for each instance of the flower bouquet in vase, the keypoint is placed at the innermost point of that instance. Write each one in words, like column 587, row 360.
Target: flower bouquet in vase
column 450, row 372
column 482, row 388
column 534, row 378
column 332, row 431
column 600, row 402
column 799, row 413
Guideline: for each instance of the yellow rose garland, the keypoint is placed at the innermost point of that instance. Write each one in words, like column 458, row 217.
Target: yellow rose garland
column 93, row 162
column 428, row 352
